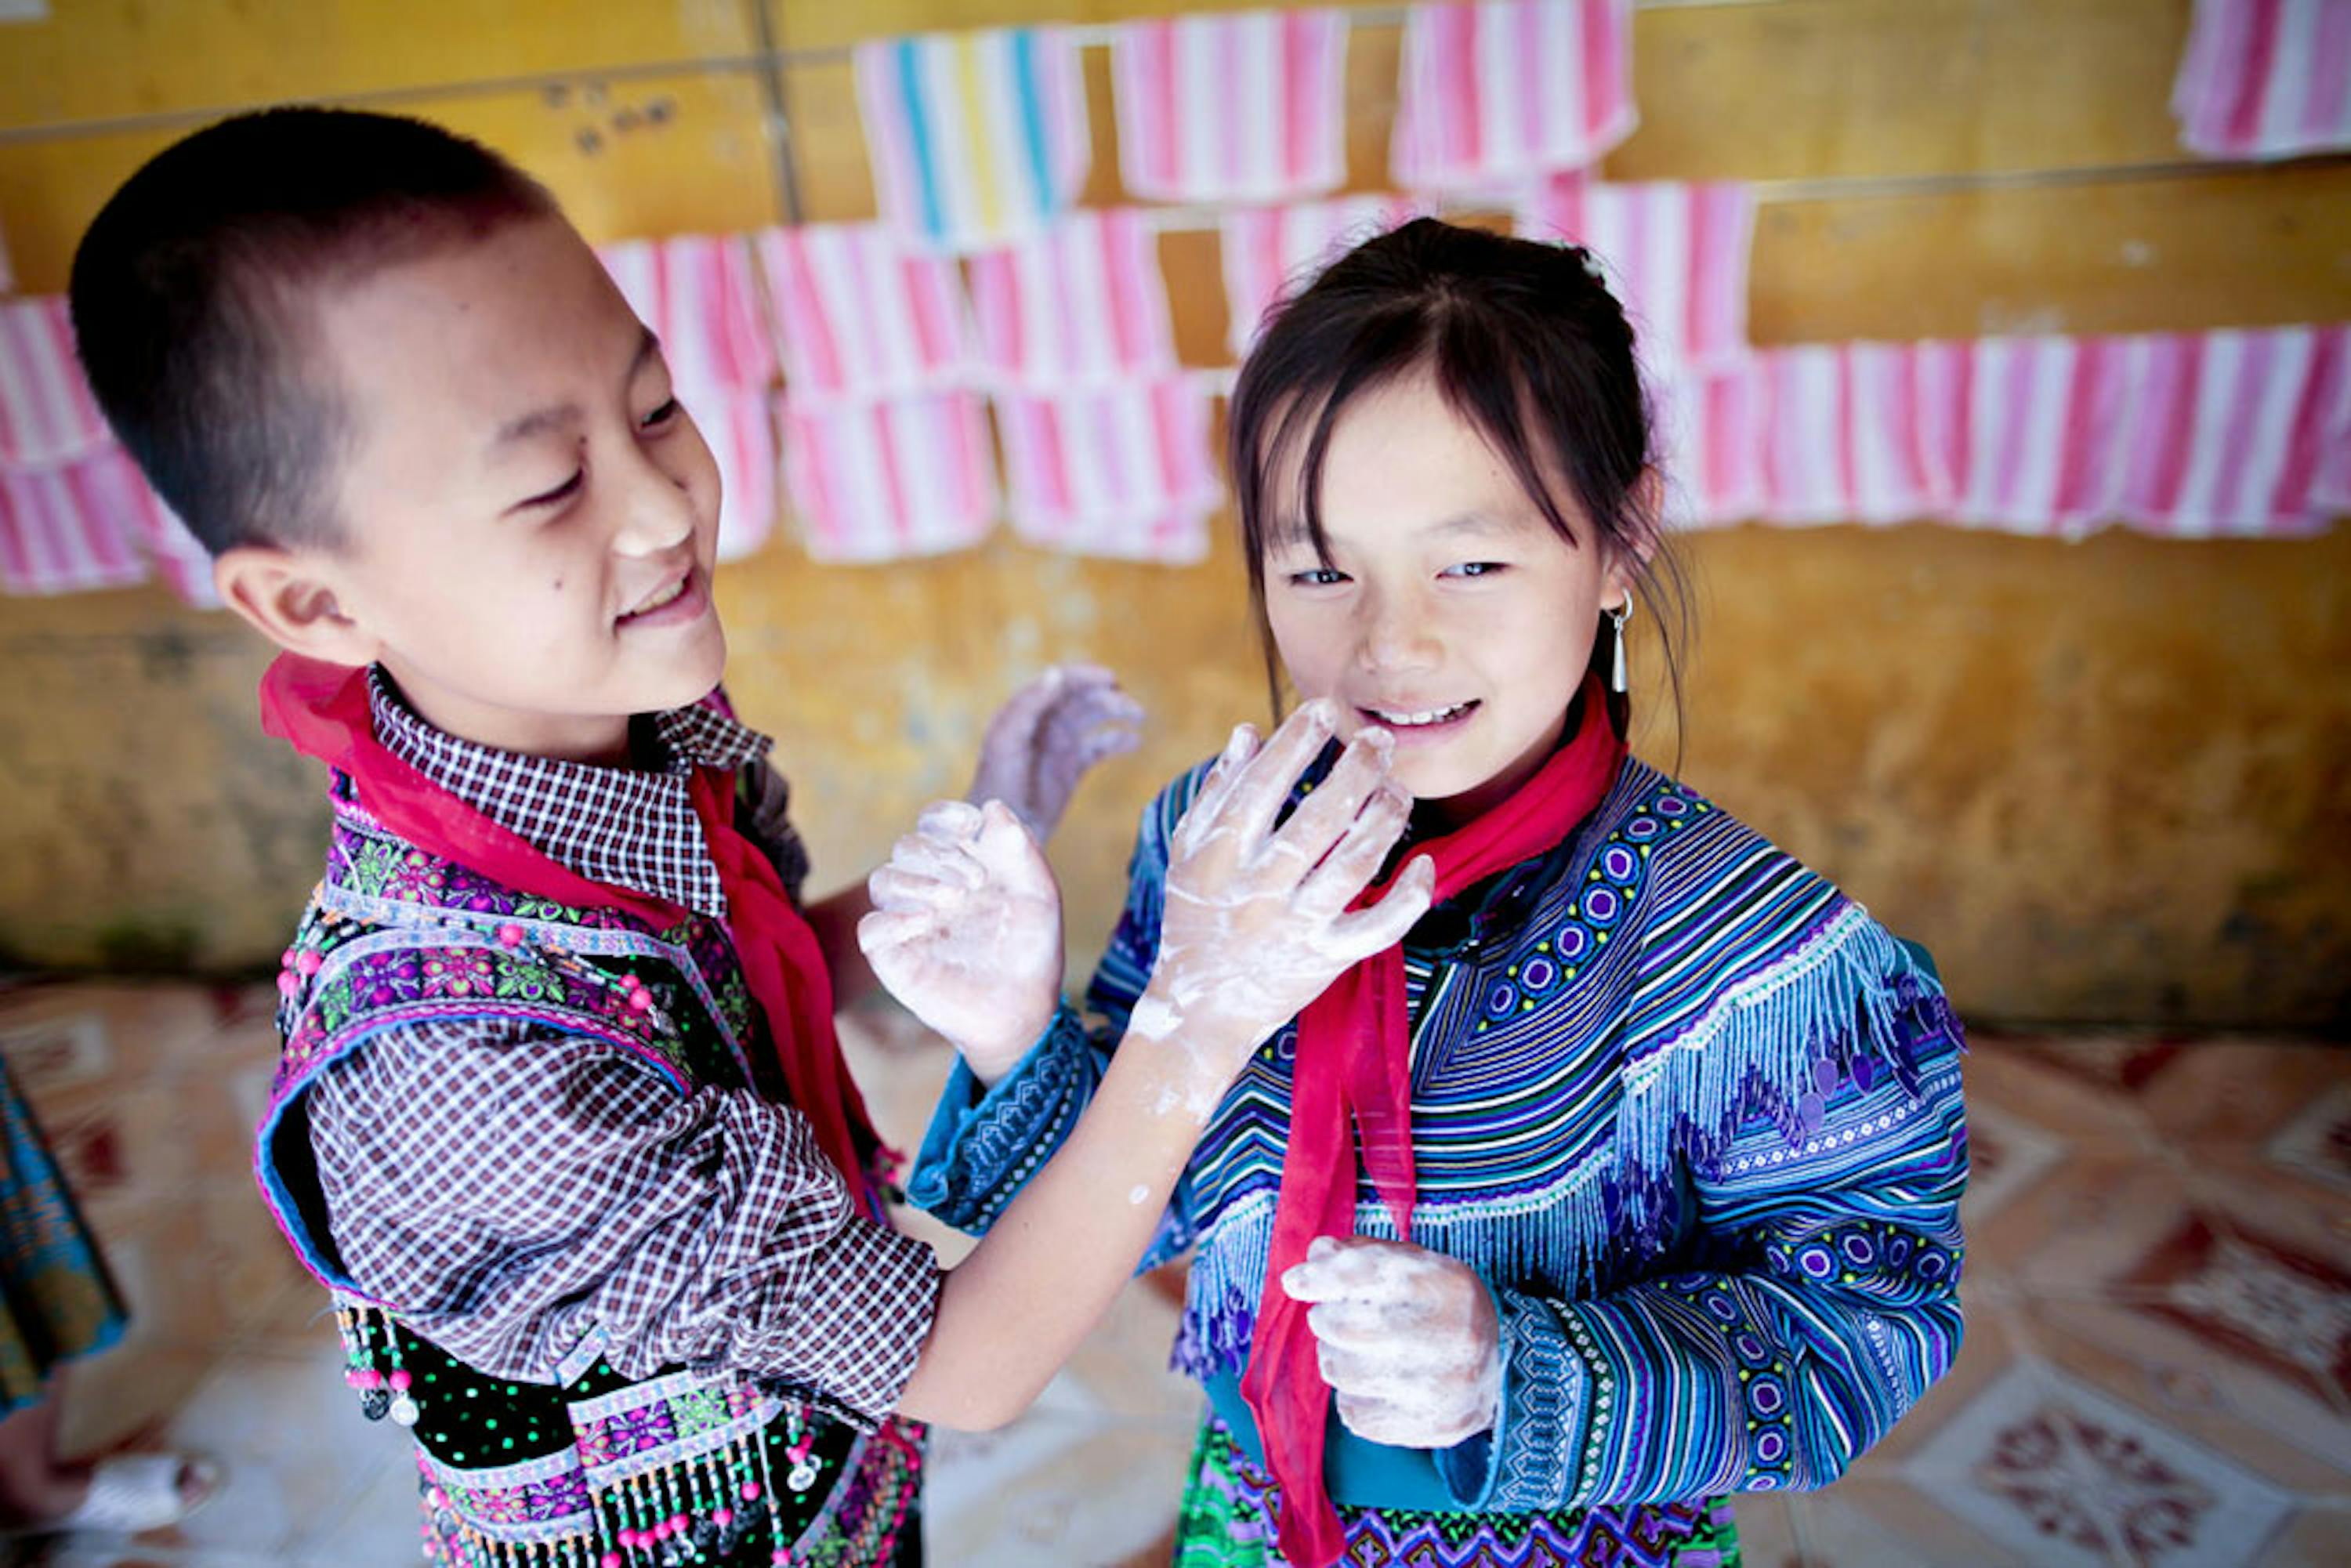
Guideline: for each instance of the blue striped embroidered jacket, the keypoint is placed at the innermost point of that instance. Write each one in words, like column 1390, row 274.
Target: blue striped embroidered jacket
column 1692, row 1113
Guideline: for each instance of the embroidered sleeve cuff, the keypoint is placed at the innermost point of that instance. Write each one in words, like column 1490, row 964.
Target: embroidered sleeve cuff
column 1527, row 1463
column 984, row 1143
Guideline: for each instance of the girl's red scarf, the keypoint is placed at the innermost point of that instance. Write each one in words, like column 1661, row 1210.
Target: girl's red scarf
column 322, row 711
column 1354, row 1065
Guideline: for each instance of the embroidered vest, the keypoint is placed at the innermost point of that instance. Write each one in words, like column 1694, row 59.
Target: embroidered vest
column 594, row 1470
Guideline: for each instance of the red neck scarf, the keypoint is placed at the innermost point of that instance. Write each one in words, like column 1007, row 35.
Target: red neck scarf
column 322, row 711
column 1354, row 1065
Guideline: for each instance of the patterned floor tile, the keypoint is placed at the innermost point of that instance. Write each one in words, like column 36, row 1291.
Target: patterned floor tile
column 2066, row 1476
column 2234, row 1090
column 2316, row 1142
column 2187, row 1381
column 1069, row 1482
column 1877, row 1524
column 2085, row 1224
column 1767, row 1532
column 2315, row 1538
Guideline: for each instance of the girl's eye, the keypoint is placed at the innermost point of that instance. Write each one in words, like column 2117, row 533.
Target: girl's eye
column 1475, row 569
column 561, row 492
column 660, row 417
column 1318, row 577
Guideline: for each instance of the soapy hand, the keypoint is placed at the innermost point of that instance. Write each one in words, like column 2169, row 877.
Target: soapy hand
column 1256, row 922
column 965, row 932
column 1407, row 1338
column 1046, row 735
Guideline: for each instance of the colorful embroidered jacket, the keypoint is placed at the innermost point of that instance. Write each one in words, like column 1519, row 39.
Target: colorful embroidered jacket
column 588, row 1467
column 1692, row 1113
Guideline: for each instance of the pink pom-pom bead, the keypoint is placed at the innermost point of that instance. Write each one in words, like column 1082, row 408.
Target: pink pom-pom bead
column 308, row 962
column 510, row 936
column 611, row 1560
column 400, row 1380
column 723, row 1518
column 641, row 1000
column 630, row 1540
column 750, row 1491
column 679, row 1525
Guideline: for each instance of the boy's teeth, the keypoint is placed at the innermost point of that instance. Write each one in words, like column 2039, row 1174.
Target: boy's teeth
column 663, row 596
column 1426, row 715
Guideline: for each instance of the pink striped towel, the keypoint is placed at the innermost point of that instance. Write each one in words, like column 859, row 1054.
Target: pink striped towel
column 1498, row 91
column 2265, row 79
column 860, row 313
column 72, row 526
column 1080, row 302
column 1846, row 433
column 2225, row 433
column 698, row 293
column 895, row 477
column 1270, row 252
column 1675, row 255
column 1120, row 471
column 739, row 427
column 1710, row 429
column 48, row 415
column 1245, row 107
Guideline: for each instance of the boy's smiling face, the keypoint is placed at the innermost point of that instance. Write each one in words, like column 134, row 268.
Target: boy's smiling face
column 525, row 516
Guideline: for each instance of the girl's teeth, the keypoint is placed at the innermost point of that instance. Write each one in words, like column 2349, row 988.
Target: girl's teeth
column 1430, row 715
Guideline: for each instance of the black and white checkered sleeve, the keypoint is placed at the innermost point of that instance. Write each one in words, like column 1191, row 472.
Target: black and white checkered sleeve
column 531, row 1201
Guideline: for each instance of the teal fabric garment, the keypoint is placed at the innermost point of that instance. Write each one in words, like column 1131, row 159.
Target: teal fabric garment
column 1693, row 1115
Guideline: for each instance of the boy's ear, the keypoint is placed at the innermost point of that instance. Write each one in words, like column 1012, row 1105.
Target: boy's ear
column 282, row 594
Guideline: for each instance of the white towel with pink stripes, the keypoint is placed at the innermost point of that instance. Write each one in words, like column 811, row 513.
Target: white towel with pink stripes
column 1077, row 304
column 699, row 295
column 859, row 312
column 2265, row 79
column 1493, row 91
column 1674, row 254
column 889, row 478
column 2236, row 432
column 1120, row 471
column 1248, row 106
column 93, row 523
column 1269, row 253
column 47, row 414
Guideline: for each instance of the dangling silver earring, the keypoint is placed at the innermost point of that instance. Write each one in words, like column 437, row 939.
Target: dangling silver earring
column 1622, row 613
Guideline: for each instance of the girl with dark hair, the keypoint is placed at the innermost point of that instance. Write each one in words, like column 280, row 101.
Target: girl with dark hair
column 1630, row 1179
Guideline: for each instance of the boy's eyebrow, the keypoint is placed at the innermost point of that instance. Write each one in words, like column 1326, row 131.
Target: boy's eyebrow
column 540, row 420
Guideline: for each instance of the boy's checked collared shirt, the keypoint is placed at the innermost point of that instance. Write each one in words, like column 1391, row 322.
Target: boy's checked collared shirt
column 513, row 1188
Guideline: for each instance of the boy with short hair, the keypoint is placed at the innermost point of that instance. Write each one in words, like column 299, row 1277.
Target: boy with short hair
column 562, row 1118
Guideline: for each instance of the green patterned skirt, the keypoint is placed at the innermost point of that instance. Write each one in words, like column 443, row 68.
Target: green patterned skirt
column 55, row 1300
column 1230, row 1505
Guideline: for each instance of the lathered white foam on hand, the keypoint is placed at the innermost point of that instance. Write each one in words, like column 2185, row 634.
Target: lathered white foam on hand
column 1045, row 737
column 1255, row 921
column 966, row 931
column 1407, row 1338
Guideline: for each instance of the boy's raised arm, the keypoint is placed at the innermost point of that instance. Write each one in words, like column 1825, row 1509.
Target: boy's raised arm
column 1258, row 922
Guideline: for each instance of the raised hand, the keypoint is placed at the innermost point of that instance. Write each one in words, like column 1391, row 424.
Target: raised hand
column 1046, row 735
column 1407, row 1338
column 966, row 931
column 1256, row 922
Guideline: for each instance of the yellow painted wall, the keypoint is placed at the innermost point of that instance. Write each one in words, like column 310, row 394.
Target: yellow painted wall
column 2104, row 781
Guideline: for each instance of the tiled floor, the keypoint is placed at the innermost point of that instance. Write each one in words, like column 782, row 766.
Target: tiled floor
column 2158, row 1368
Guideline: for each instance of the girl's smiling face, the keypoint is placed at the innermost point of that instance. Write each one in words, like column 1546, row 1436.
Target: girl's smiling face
column 1449, row 610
